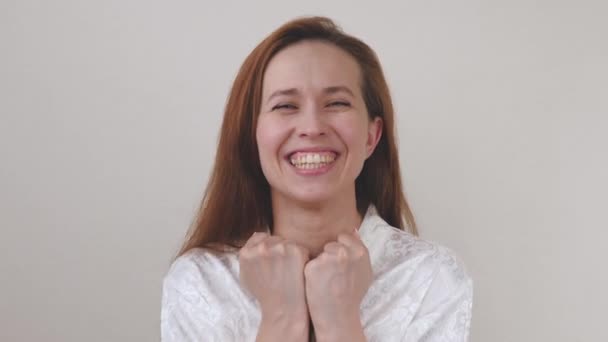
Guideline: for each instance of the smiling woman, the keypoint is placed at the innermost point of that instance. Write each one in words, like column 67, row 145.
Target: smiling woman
column 315, row 111
column 304, row 231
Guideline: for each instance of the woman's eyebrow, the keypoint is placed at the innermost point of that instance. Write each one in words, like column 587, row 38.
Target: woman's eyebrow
column 327, row 90
column 337, row 89
column 290, row 91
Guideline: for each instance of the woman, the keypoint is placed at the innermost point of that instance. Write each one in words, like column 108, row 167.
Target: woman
column 303, row 230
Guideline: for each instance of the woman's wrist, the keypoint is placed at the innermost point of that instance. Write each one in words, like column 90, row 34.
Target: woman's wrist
column 343, row 330
column 282, row 327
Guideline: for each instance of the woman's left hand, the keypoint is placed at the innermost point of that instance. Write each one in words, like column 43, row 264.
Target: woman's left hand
column 336, row 282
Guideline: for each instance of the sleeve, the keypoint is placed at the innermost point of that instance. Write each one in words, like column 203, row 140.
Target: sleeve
column 185, row 312
column 445, row 312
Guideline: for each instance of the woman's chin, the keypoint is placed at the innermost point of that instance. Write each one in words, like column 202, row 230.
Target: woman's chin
column 313, row 198
column 310, row 195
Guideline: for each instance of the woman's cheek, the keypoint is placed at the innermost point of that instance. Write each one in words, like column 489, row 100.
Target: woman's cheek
column 354, row 134
column 270, row 135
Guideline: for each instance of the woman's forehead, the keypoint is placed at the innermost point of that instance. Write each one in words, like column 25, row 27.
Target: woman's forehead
column 311, row 66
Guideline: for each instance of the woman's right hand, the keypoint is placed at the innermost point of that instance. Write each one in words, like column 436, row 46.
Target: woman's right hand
column 272, row 270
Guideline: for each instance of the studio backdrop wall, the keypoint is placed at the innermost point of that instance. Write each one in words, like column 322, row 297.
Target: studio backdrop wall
column 110, row 114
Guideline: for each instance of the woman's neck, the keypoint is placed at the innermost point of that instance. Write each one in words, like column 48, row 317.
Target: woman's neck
column 315, row 225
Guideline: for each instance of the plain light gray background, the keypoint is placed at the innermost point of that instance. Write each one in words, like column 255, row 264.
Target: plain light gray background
column 110, row 112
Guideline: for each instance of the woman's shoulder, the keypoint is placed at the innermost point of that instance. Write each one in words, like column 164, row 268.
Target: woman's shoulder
column 202, row 299
column 421, row 285
column 392, row 248
column 197, row 265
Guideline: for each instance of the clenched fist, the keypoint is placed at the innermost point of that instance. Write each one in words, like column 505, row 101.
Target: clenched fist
column 272, row 270
column 336, row 282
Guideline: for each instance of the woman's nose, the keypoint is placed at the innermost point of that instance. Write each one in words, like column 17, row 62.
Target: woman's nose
column 311, row 124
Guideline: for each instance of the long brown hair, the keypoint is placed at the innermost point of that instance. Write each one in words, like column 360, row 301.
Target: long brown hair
column 237, row 199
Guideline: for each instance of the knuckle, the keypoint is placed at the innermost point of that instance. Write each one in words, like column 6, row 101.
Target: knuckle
column 342, row 255
column 262, row 248
column 279, row 248
column 291, row 248
column 296, row 250
column 360, row 252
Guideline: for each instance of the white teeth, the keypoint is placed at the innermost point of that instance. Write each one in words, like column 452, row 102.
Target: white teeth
column 309, row 161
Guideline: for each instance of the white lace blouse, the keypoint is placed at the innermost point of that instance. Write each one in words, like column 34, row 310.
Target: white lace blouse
column 420, row 292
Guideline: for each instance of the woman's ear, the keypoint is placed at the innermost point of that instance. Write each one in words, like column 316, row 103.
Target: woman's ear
column 374, row 133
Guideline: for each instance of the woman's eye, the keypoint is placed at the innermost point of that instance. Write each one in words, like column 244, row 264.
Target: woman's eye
column 339, row 104
column 284, row 106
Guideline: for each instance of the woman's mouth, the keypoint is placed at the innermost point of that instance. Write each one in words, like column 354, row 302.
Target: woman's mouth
column 312, row 160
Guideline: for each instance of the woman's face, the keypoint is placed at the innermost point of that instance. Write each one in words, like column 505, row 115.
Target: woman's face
column 313, row 131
